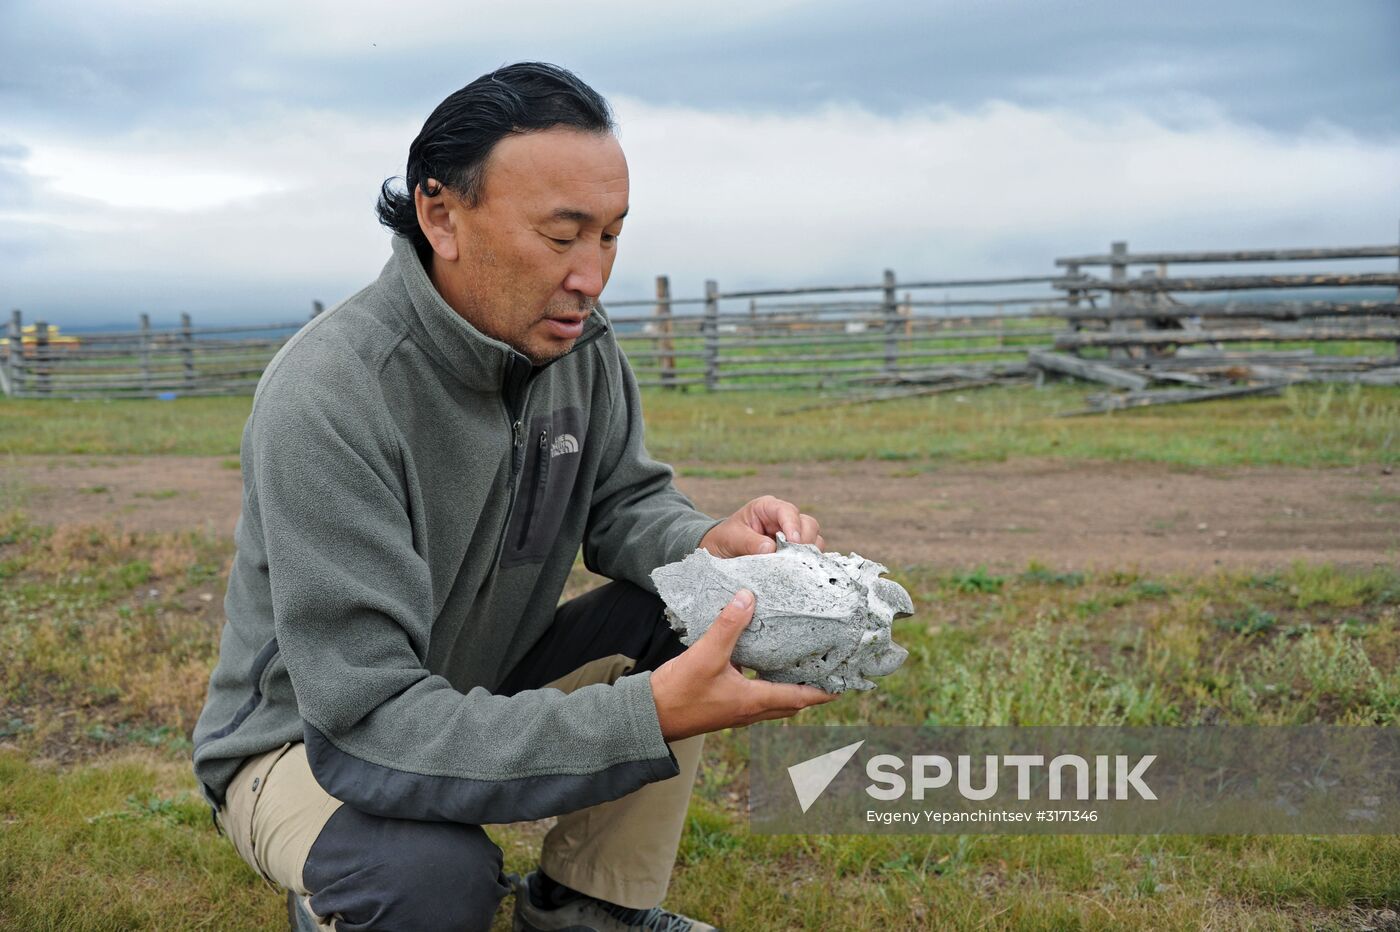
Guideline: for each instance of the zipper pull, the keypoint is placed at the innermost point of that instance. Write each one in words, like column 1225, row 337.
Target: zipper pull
column 544, row 440
column 516, row 430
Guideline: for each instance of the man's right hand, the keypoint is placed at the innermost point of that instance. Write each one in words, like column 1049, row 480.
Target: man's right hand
column 701, row 691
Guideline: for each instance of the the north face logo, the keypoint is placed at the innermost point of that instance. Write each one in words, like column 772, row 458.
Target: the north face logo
column 564, row 443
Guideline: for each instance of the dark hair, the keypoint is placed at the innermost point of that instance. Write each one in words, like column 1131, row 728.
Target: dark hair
column 459, row 135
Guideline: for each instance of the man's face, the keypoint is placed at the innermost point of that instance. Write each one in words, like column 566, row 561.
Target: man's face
column 526, row 263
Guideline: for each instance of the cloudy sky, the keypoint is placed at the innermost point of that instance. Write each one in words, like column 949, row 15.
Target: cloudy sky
column 223, row 159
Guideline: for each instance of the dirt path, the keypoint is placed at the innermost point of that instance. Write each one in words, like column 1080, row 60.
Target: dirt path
column 1004, row 515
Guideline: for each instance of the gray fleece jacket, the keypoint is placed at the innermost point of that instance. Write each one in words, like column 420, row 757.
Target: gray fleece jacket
column 414, row 495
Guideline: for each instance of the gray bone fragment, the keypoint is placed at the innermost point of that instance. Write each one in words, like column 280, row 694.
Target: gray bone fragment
column 820, row 619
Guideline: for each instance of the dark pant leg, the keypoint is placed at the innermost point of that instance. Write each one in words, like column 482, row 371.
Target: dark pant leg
column 618, row 618
column 374, row 873
column 378, row 873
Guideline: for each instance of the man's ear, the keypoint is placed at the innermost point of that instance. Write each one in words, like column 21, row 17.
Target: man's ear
column 435, row 218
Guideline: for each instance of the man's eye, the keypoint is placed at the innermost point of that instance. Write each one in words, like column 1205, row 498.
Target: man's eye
column 560, row 242
column 610, row 237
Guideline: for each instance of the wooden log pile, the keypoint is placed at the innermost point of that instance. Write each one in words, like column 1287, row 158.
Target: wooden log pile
column 1205, row 350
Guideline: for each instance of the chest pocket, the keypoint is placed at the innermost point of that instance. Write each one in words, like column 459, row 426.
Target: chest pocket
column 553, row 451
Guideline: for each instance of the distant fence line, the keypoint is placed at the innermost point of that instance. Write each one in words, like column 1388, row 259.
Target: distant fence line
column 845, row 334
column 41, row 362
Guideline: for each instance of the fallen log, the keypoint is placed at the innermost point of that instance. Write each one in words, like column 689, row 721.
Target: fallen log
column 1105, row 404
column 918, row 392
column 1087, row 369
column 1282, row 333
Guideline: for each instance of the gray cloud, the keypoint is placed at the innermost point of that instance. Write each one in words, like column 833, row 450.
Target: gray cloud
column 771, row 140
column 1281, row 64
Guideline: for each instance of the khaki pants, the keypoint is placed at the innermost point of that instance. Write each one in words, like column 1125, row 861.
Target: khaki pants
column 620, row 851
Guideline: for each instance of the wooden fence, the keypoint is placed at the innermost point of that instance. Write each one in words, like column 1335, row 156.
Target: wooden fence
column 141, row 363
column 1128, row 332
column 1147, row 334
column 836, row 334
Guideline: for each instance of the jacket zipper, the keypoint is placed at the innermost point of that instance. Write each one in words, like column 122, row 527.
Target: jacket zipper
column 517, row 430
column 515, row 421
column 537, row 490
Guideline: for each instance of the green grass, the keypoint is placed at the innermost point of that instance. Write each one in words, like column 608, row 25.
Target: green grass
column 1306, row 426
column 186, row 426
column 107, row 638
column 123, row 843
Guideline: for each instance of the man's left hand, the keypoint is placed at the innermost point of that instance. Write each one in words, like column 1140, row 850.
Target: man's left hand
column 750, row 530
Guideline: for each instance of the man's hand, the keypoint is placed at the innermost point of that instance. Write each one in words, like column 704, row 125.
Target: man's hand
column 750, row 530
column 701, row 691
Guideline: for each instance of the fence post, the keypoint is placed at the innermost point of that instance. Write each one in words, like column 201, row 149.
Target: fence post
column 145, row 352
column 891, row 308
column 187, row 350
column 711, row 325
column 1118, row 300
column 41, row 356
column 1071, row 271
column 1151, row 299
column 317, row 308
column 16, row 346
column 663, row 328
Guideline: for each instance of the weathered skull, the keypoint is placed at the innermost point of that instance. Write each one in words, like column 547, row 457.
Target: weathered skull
column 820, row 619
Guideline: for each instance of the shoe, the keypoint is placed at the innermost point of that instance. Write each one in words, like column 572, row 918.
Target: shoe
column 586, row 914
column 299, row 914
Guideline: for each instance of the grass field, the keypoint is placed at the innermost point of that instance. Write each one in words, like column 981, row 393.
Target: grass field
column 107, row 637
column 1306, row 426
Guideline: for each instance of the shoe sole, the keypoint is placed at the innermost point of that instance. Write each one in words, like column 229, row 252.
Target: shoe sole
column 297, row 919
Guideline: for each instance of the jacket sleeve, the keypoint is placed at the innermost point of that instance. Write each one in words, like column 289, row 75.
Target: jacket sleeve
column 353, row 610
column 638, row 519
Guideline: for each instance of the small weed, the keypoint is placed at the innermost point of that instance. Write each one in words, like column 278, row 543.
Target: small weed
column 14, row 727
column 1327, row 585
column 1043, row 575
column 1273, row 582
column 184, row 809
column 1251, row 623
column 977, row 580
column 1356, row 628
column 133, row 574
column 708, row 835
column 200, row 573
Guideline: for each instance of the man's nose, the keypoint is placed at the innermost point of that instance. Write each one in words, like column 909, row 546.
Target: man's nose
column 587, row 273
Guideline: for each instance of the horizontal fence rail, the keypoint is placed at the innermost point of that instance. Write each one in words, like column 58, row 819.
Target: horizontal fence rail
column 940, row 333
column 1235, row 282
column 1262, row 310
column 1237, row 255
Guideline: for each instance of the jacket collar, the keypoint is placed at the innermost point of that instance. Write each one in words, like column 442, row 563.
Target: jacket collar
column 478, row 361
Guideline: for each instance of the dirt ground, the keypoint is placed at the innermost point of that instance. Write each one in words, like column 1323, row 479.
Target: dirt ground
column 1067, row 516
